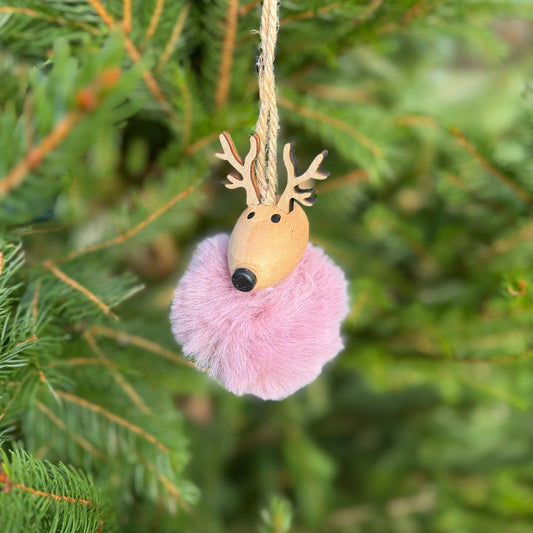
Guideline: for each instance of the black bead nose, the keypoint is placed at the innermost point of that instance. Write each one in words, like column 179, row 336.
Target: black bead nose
column 243, row 280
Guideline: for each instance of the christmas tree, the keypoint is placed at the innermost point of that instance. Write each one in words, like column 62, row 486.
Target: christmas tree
column 110, row 113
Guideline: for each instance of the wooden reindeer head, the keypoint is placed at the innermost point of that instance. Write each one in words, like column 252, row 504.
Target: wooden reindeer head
column 267, row 241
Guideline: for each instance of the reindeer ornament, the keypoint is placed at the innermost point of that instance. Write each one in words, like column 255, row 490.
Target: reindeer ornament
column 268, row 241
column 261, row 310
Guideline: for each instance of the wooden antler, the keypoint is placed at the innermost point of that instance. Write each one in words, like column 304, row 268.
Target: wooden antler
column 293, row 191
column 245, row 176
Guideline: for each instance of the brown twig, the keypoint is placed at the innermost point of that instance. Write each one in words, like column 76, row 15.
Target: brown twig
column 57, row 20
column 141, row 342
column 486, row 387
column 77, row 286
column 248, row 7
column 171, row 487
column 522, row 289
column 154, row 21
column 82, row 441
column 21, row 10
column 135, row 56
column 438, row 358
column 86, row 404
column 33, row 338
column 87, row 99
column 457, row 182
column 338, row 183
column 82, row 361
column 417, row 10
column 205, row 141
column 330, row 121
column 9, row 485
column 44, row 448
column 311, row 13
column 33, row 158
column 416, row 120
column 174, row 37
column 102, row 11
column 147, row 76
column 501, row 246
column 126, row 21
column 369, row 10
column 338, row 94
column 226, row 58
column 40, row 231
column 187, row 112
column 309, row 67
column 119, row 239
column 506, row 180
column 27, row 124
column 121, row 381
column 198, row 145
column 42, row 378
column 35, row 303
column 11, row 400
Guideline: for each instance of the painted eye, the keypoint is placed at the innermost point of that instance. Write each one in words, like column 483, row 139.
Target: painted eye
column 251, row 215
column 275, row 218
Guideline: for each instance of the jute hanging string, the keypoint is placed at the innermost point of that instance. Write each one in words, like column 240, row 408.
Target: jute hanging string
column 243, row 308
column 268, row 122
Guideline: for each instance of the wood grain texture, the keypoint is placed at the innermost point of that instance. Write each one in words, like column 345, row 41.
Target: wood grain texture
column 245, row 176
column 268, row 240
column 269, row 249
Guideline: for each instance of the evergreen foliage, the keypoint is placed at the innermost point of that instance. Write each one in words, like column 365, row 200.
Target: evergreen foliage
column 109, row 119
column 58, row 497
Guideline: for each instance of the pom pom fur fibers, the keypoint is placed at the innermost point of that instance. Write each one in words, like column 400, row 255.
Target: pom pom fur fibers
column 268, row 342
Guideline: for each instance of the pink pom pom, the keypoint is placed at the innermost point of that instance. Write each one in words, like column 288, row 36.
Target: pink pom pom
column 268, row 342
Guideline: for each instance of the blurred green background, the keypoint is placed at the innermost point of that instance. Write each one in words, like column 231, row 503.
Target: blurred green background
column 424, row 422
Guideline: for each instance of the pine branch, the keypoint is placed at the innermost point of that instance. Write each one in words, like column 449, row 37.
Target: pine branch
column 333, row 122
column 508, row 182
column 436, row 250
column 33, row 158
column 154, row 21
column 56, row 271
column 130, row 233
column 82, row 441
column 310, row 14
column 277, row 518
column 420, row 9
column 356, row 176
column 126, row 387
column 135, row 56
column 88, row 100
column 54, row 19
column 126, row 21
column 123, row 337
column 53, row 497
column 172, row 489
column 102, row 12
column 226, row 60
column 174, row 37
column 11, row 401
column 85, row 404
column 246, row 8
column 148, row 77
